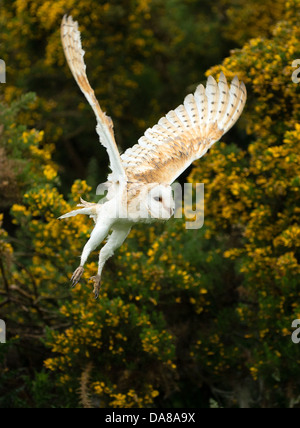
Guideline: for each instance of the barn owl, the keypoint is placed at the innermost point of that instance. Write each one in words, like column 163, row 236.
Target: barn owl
column 139, row 185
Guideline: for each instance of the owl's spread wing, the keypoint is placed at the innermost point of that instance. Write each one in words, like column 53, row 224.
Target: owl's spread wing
column 185, row 134
column 71, row 41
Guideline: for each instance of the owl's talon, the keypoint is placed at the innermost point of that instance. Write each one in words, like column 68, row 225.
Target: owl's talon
column 76, row 276
column 97, row 284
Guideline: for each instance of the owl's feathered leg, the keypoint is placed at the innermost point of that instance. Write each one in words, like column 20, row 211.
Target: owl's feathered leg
column 115, row 240
column 99, row 233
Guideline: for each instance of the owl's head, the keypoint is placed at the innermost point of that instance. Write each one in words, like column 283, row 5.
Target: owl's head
column 160, row 202
column 152, row 202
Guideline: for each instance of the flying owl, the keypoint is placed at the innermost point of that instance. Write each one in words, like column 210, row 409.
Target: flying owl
column 139, row 186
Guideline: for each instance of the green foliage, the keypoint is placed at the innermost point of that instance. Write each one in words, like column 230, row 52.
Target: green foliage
column 132, row 57
column 250, row 19
column 256, row 214
column 142, row 57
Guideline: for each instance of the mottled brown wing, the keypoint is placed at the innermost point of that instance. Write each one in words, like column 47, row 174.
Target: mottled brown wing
column 185, row 134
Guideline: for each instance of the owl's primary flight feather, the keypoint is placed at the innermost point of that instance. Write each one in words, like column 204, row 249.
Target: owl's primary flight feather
column 142, row 176
column 71, row 40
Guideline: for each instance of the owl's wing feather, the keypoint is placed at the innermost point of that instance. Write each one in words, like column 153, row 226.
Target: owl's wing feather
column 185, row 134
column 71, row 40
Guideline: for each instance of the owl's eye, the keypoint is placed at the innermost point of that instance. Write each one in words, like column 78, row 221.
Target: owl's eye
column 158, row 198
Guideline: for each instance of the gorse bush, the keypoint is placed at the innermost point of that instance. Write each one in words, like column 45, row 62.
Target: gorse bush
column 132, row 56
column 143, row 56
column 252, row 200
column 185, row 316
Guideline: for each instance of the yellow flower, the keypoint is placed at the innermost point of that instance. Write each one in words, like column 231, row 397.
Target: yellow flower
column 50, row 173
column 18, row 208
column 254, row 372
